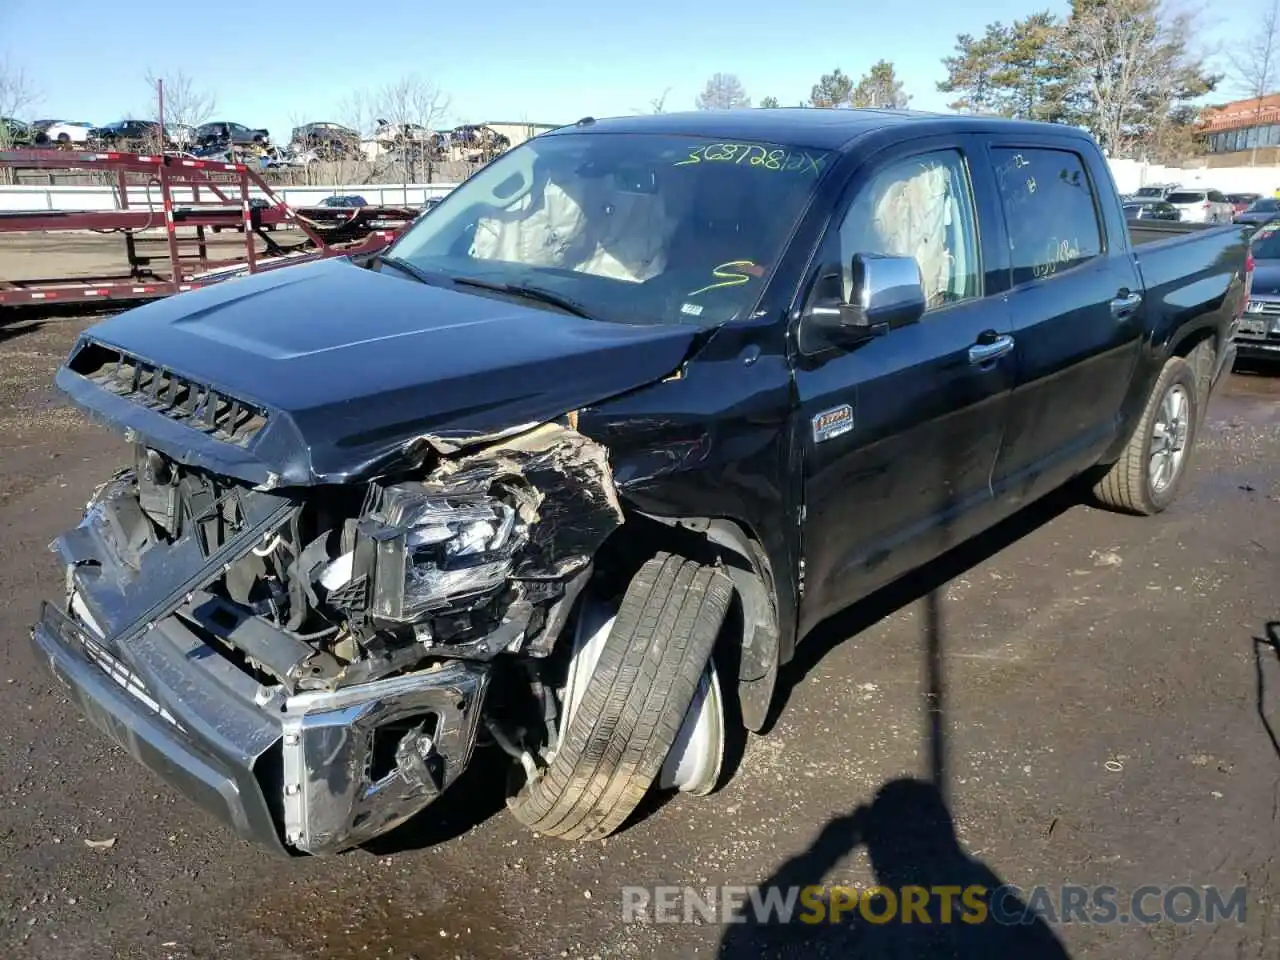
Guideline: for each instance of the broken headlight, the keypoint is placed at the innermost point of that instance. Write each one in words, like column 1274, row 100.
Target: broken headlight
column 424, row 551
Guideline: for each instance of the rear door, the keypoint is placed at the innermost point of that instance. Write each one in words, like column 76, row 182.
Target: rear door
column 1076, row 307
column 900, row 432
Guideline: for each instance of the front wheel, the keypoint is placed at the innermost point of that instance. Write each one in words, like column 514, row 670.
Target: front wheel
column 642, row 691
column 1150, row 471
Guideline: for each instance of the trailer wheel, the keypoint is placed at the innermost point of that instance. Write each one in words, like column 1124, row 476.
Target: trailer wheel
column 651, row 687
column 1150, row 471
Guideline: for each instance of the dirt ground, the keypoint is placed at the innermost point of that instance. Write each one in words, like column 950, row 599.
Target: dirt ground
column 1106, row 692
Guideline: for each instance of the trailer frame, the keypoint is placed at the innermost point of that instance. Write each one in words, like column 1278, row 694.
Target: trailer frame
column 219, row 196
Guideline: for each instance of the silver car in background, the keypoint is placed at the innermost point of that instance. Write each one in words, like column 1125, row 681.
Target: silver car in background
column 1202, row 205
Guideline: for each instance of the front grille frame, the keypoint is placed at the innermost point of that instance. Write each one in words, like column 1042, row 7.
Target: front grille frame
column 1266, row 308
column 198, row 405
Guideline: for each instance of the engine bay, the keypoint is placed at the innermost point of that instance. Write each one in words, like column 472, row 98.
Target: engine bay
column 479, row 555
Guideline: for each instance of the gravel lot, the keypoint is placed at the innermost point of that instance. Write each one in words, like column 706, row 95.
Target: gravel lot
column 1107, row 691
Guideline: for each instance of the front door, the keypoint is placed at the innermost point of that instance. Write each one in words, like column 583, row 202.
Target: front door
column 900, row 433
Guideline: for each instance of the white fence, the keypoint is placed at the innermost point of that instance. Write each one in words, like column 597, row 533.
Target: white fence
column 1132, row 174
column 1129, row 176
column 38, row 198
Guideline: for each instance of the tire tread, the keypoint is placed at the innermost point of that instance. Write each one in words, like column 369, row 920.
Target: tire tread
column 634, row 702
column 1125, row 486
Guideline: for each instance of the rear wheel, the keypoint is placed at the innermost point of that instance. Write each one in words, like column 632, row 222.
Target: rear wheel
column 641, row 703
column 1150, row 471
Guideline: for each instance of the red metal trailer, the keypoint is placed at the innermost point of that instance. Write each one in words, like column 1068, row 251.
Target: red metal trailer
column 169, row 245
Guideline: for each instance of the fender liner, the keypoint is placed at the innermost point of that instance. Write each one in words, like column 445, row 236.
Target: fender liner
column 746, row 564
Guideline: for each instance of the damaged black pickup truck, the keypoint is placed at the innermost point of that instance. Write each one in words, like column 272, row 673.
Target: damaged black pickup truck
column 568, row 469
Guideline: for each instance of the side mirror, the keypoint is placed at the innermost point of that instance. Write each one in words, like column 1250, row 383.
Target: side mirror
column 887, row 293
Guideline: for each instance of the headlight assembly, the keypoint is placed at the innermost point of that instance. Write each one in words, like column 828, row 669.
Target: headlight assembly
column 422, row 551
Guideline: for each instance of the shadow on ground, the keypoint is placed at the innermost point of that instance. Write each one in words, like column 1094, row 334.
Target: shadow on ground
column 12, row 329
column 910, row 839
column 919, row 584
column 478, row 794
column 1264, row 648
column 964, row 911
column 930, row 899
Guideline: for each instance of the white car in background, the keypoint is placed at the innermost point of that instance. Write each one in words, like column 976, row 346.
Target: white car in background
column 1202, row 205
column 181, row 135
column 65, row 132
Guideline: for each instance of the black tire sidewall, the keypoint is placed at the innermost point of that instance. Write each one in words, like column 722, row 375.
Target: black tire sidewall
column 1177, row 372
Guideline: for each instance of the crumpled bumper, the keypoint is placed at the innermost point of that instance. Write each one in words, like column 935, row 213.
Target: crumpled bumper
column 317, row 772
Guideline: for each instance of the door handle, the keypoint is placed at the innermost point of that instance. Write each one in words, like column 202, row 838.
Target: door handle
column 1124, row 304
column 988, row 350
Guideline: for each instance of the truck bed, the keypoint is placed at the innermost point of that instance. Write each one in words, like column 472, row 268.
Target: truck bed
column 1142, row 232
column 1189, row 269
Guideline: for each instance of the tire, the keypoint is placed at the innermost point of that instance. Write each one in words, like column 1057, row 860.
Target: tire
column 634, row 702
column 1129, row 486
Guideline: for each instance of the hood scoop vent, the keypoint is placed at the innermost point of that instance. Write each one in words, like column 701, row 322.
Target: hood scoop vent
column 195, row 404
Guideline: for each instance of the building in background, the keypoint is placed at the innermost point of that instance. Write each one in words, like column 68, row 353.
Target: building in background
column 1242, row 133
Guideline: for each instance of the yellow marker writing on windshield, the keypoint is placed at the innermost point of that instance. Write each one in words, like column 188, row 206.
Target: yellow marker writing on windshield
column 728, row 278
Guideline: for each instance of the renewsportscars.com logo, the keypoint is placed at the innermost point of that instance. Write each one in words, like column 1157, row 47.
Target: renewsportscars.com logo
column 1006, row 905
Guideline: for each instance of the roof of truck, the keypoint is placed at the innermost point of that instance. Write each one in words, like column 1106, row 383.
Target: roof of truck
column 813, row 127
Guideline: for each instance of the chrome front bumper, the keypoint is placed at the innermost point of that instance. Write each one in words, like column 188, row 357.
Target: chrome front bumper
column 1257, row 331
column 316, row 772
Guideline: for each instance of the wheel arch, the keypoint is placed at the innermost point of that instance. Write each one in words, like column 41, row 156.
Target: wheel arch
column 1199, row 347
column 739, row 551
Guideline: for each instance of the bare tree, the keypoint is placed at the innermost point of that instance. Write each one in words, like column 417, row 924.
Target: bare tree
column 1255, row 68
column 723, row 92
column 406, row 113
column 17, row 95
column 359, row 112
column 657, row 105
column 185, row 104
column 1136, row 65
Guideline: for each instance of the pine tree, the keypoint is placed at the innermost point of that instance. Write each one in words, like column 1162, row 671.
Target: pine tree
column 880, row 88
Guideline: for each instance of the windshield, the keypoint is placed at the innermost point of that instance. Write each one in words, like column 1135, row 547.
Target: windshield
column 632, row 227
column 1268, row 205
column 1149, row 192
column 1187, row 197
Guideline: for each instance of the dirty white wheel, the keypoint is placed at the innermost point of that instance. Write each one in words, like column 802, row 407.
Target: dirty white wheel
column 1169, row 437
column 693, row 765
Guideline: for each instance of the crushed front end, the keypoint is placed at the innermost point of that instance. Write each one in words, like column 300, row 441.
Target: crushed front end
column 312, row 664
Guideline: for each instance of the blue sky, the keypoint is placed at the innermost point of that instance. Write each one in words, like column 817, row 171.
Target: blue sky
column 497, row 60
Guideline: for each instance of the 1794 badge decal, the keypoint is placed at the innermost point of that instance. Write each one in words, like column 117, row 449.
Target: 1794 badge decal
column 832, row 423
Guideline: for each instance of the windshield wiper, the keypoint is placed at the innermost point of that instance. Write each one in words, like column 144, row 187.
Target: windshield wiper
column 404, row 266
column 529, row 293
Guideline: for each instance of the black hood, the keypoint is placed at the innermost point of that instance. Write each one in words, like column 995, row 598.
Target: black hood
column 328, row 372
column 1266, row 278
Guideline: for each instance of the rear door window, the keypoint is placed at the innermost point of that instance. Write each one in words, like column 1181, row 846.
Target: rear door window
column 1050, row 210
